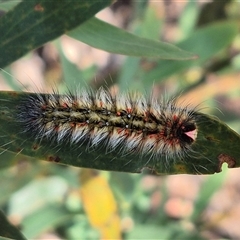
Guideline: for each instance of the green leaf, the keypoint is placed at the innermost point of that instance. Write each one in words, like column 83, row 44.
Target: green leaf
column 36, row 193
column 70, row 70
column 189, row 17
column 145, row 231
column 7, row 5
column 216, row 143
column 115, row 40
column 32, row 23
column 7, row 230
column 44, row 219
column 128, row 73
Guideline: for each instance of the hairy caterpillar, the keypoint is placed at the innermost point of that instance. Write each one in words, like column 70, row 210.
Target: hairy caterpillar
column 126, row 123
column 116, row 132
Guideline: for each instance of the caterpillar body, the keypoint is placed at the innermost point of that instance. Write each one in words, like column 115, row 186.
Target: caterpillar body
column 128, row 123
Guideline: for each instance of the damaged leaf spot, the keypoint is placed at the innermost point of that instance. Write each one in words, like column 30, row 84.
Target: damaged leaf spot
column 35, row 147
column 38, row 8
column 19, row 150
column 54, row 159
column 224, row 158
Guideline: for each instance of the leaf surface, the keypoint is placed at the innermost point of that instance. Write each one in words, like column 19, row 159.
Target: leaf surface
column 216, row 143
column 32, row 23
column 116, row 40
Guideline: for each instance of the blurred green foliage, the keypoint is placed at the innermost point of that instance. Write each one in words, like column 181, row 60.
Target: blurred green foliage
column 45, row 196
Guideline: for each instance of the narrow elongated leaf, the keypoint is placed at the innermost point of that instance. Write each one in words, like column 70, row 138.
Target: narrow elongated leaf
column 115, row 40
column 44, row 219
column 7, row 5
column 215, row 144
column 32, row 23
